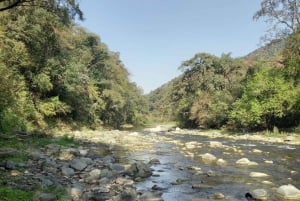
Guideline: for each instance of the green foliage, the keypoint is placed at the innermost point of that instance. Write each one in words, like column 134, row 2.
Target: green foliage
column 209, row 85
column 53, row 71
column 267, row 98
column 66, row 140
column 9, row 194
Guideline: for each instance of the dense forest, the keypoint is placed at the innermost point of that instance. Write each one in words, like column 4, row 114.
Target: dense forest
column 255, row 92
column 54, row 72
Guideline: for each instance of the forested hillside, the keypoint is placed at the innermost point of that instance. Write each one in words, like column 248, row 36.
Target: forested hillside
column 255, row 92
column 54, row 72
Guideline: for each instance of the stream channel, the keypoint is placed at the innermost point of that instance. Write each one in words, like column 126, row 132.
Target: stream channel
column 184, row 175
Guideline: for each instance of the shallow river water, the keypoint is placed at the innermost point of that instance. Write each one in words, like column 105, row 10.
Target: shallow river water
column 184, row 175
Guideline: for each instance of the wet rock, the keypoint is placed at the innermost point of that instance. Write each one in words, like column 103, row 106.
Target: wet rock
column 139, row 169
column 219, row 196
column 153, row 196
column 208, row 158
column 201, row 186
column 258, row 195
column 192, row 145
column 67, row 171
column 258, row 174
column 154, row 161
column 156, row 188
column 38, row 196
column 215, row 144
column 245, row 161
column 78, row 164
column 221, row 162
column 256, row 151
column 288, row 192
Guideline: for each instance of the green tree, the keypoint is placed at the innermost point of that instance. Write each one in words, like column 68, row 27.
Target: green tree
column 267, row 99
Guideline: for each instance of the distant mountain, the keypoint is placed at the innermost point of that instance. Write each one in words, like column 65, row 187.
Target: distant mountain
column 268, row 52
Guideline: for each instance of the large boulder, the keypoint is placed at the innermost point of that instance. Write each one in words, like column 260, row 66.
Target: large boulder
column 288, row 192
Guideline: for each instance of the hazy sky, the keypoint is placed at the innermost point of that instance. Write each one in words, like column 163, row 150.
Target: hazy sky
column 155, row 36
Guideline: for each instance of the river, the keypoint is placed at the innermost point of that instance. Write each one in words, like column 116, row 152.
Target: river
column 184, row 174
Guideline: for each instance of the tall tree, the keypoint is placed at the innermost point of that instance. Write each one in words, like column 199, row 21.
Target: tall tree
column 283, row 15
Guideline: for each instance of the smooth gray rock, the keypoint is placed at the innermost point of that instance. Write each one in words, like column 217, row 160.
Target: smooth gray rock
column 78, row 164
column 67, row 171
column 259, row 194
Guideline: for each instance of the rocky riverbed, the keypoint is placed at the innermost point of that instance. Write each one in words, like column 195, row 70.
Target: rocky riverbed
column 155, row 164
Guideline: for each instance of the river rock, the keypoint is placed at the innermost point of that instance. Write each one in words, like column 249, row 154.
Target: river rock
column 75, row 192
column 258, row 174
column 127, row 195
column 67, row 171
column 288, row 192
column 215, row 144
column 38, row 196
column 209, row 158
column 258, row 194
column 78, row 164
column 154, row 161
column 221, row 162
column 139, row 169
column 245, row 161
column 35, row 155
column 191, row 145
column 219, row 196
column 106, row 173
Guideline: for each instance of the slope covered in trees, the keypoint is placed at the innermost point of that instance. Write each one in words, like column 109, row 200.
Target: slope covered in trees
column 258, row 91
column 54, row 71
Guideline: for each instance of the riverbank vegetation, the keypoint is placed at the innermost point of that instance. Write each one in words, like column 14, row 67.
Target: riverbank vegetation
column 256, row 92
column 54, row 73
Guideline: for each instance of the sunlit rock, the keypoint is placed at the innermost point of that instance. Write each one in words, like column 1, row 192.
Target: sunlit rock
column 215, row 144
column 259, row 194
column 208, row 158
column 288, row 192
column 221, row 162
column 258, row 174
column 245, row 161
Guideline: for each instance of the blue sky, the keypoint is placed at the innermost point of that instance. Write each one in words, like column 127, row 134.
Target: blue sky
column 155, row 36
